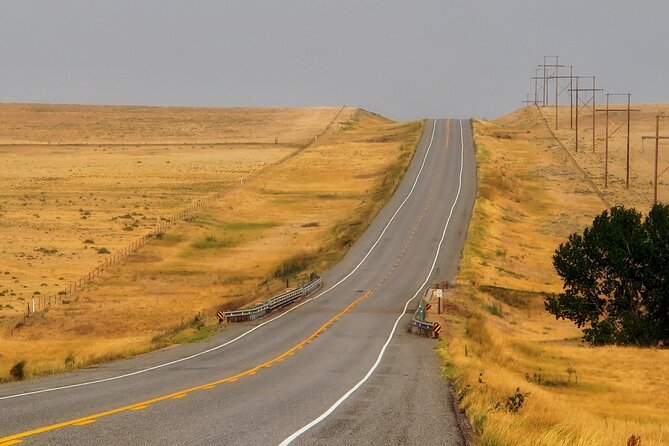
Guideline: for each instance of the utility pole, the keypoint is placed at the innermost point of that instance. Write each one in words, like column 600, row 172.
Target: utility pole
column 657, row 139
column 528, row 96
column 557, row 87
column 539, row 87
column 576, row 91
column 592, row 99
column 547, row 76
column 529, row 101
column 571, row 97
column 607, row 110
column 558, row 92
column 657, row 151
column 594, row 107
column 545, row 84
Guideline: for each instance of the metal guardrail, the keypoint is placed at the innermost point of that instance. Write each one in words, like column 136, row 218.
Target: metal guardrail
column 422, row 324
column 273, row 303
column 433, row 327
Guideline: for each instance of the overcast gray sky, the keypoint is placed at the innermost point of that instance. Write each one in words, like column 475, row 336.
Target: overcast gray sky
column 405, row 59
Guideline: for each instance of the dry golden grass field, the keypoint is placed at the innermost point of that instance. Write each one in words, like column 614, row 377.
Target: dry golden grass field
column 531, row 196
column 301, row 209
column 642, row 152
column 128, row 125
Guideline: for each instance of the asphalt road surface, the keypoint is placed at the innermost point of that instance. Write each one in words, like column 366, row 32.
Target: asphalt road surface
column 337, row 368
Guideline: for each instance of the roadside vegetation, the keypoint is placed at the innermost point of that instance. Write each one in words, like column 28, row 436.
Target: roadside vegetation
column 523, row 377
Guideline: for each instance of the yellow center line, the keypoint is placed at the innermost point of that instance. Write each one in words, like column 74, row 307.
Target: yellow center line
column 16, row 438
column 420, row 219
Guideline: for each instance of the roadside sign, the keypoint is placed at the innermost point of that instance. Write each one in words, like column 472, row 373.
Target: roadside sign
column 440, row 293
column 220, row 316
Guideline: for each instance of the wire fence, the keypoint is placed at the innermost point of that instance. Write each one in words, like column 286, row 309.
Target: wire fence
column 40, row 302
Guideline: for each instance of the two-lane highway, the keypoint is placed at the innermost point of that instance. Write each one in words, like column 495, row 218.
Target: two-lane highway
column 337, row 368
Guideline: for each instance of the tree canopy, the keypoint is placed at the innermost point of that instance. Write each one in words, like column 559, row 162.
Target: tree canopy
column 616, row 278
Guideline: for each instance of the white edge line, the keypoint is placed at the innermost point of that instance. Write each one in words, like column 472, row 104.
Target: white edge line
column 344, row 397
column 186, row 358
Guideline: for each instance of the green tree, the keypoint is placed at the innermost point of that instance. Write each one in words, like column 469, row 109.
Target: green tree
column 616, row 278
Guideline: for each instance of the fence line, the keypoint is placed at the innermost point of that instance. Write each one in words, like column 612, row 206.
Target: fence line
column 41, row 302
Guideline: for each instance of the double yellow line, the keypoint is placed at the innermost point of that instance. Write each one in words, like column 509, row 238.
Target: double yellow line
column 17, row 438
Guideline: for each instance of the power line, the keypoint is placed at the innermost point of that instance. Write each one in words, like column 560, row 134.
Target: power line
column 607, row 110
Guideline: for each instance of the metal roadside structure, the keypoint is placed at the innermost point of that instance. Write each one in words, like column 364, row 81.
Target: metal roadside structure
column 267, row 307
column 430, row 329
column 425, row 328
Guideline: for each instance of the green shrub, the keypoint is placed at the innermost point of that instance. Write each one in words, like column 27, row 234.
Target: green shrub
column 18, row 371
column 616, row 283
column 516, row 401
column 69, row 361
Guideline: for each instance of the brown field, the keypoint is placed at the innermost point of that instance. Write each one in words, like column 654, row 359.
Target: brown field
column 531, row 196
column 57, row 196
column 298, row 214
column 128, row 125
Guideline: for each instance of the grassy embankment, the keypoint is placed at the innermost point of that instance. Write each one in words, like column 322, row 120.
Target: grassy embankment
column 530, row 198
column 297, row 216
